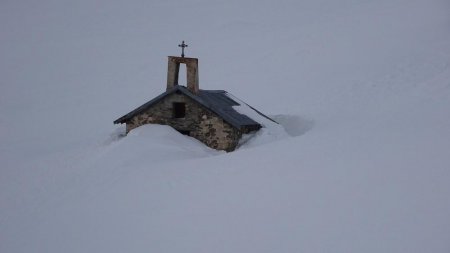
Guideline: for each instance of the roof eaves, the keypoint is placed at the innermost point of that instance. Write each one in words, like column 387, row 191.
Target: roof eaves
column 143, row 107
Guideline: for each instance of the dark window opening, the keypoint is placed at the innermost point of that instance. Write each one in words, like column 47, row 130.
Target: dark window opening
column 185, row 132
column 179, row 110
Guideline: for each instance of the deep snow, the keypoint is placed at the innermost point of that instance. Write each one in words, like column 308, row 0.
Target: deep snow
column 360, row 162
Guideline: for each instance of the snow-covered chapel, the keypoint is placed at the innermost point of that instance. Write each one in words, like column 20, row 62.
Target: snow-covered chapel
column 214, row 117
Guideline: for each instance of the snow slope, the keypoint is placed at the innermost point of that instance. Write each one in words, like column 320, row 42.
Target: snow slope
column 361, row 88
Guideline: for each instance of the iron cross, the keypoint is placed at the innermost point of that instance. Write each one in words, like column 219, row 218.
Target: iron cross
column 182, row 45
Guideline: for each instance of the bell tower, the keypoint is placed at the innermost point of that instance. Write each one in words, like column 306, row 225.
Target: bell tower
column 173, row 70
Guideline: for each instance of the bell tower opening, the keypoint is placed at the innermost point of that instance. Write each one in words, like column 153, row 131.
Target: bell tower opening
column 182, row 78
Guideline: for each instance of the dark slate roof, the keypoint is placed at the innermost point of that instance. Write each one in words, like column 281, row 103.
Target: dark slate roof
column 215, row 100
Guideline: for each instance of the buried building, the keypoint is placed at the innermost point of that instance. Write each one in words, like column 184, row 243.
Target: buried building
column 207, row 115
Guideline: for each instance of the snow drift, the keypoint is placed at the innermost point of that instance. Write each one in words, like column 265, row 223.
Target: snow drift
column 359, row 163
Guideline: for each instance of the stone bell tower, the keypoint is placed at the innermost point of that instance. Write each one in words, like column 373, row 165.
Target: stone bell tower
column 173, row 70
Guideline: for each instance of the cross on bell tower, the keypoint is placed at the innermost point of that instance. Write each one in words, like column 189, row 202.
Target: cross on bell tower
column 182, row 45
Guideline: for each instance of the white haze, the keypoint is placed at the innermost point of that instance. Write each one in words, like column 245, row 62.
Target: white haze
column 361, row 88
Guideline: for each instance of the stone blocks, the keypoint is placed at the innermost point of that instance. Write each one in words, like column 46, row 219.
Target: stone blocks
column 198, row 122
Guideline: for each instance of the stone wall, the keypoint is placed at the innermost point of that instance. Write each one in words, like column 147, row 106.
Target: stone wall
column 199, row 122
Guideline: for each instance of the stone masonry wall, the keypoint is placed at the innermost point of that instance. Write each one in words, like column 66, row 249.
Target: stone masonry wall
column 201, row 123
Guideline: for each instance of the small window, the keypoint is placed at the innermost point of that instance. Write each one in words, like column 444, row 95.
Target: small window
column 179, row 110
column 185, row 132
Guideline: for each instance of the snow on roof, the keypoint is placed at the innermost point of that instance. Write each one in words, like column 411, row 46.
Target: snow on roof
column 270, row 131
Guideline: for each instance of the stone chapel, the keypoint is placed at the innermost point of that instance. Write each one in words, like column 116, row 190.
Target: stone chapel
column 210, row 116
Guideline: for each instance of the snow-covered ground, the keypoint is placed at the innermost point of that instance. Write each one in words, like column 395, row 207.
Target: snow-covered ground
column 360, row 163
